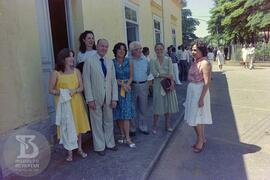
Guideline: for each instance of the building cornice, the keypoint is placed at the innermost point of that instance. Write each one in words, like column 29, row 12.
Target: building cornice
column 156, row 5
column 137, row 2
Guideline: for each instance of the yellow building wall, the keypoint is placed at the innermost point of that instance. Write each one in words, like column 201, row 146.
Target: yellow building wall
column 146, row 26
column 21, row 86
column 105, row 19
column 21, row 93
column 77, row 22
column 169, row 9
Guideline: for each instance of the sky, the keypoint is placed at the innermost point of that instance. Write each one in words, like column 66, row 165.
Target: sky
column 201, row 10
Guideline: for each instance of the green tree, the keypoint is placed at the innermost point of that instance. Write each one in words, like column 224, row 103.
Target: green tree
column 188, row 25
column 239, row 20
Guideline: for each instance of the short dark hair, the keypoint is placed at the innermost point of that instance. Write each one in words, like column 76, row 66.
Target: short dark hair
column 201, row 45
column 60, row 60
column 82, row 37
column 117, row 46
column 145, row 50
column 210, row 49
column 173, row 49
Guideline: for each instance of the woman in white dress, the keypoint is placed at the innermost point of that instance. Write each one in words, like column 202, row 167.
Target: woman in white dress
column 210, row 55
column 244, row 56
column 87, row 48
column 220, row 58
column 197, row 104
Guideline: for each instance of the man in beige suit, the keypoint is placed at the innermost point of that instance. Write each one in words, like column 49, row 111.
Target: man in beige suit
column 100, row 87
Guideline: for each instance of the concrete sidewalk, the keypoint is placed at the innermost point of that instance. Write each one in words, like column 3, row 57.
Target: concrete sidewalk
column 237, row 63
column 126, row 163
column 238, row 142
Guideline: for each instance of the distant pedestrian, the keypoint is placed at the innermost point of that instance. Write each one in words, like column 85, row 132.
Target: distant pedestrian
column 210, row 55
column 226, row 52
column 150, row 79
column 87, row 48
column 215, row 53
column 220, row 58
column 66, row 78
column 165, row 103
column 124, row 111
column 175, row 66
column 251, row 56
column 197, row 104
column 183, row 64
column 245, row 56
column 179, row 52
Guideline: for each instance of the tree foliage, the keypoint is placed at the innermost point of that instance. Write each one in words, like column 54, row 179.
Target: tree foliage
column 239, row 20
column 188, row 25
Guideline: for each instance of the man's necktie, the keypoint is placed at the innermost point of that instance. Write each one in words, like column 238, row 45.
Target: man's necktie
column 104, row 69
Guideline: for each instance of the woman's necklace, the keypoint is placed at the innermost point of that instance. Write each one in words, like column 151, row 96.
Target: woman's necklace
column 120, row 63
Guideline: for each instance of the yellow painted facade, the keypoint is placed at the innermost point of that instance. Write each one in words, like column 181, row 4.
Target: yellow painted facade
column 22, row 95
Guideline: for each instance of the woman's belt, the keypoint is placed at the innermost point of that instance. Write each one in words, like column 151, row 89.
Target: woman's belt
column 139, row 82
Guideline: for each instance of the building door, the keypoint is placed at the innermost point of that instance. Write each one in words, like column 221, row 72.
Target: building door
column 58, row 21
column 53, row 22
column 46, row 50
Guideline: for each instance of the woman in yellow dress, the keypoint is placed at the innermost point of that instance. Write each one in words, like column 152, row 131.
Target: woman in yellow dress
column 65, row 76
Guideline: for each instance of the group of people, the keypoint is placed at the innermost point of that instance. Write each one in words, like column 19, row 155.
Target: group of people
column 248, row 56
column 117, row 89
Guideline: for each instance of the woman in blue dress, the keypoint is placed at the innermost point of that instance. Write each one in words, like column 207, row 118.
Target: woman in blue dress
column 125, row 110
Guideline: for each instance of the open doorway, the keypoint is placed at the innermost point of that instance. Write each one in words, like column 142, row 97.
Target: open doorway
column 57, row 11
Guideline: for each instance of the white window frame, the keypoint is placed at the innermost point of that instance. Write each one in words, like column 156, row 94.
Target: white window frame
column 157, row 18
column 134, row 7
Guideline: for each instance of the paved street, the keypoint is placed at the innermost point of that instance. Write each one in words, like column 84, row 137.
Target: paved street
column 238, row 143
column 125, row 164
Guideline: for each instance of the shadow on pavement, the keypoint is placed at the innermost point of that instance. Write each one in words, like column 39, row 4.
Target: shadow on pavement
column 224, row 149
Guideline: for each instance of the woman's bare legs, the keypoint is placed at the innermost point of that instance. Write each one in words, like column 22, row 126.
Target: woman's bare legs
column 80, row 151
column 126, row 124
column 122, row 131
column 69, row 157
column 168, row 121
column 199, row 129
column 154, row 126
column 126, row 129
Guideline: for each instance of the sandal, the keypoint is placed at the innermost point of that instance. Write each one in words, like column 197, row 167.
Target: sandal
column 198, row 150
column 194, row 145
column 69, row 158
column 131, row 144
column 82, row 154
column 154, row 131
column 122, row 140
